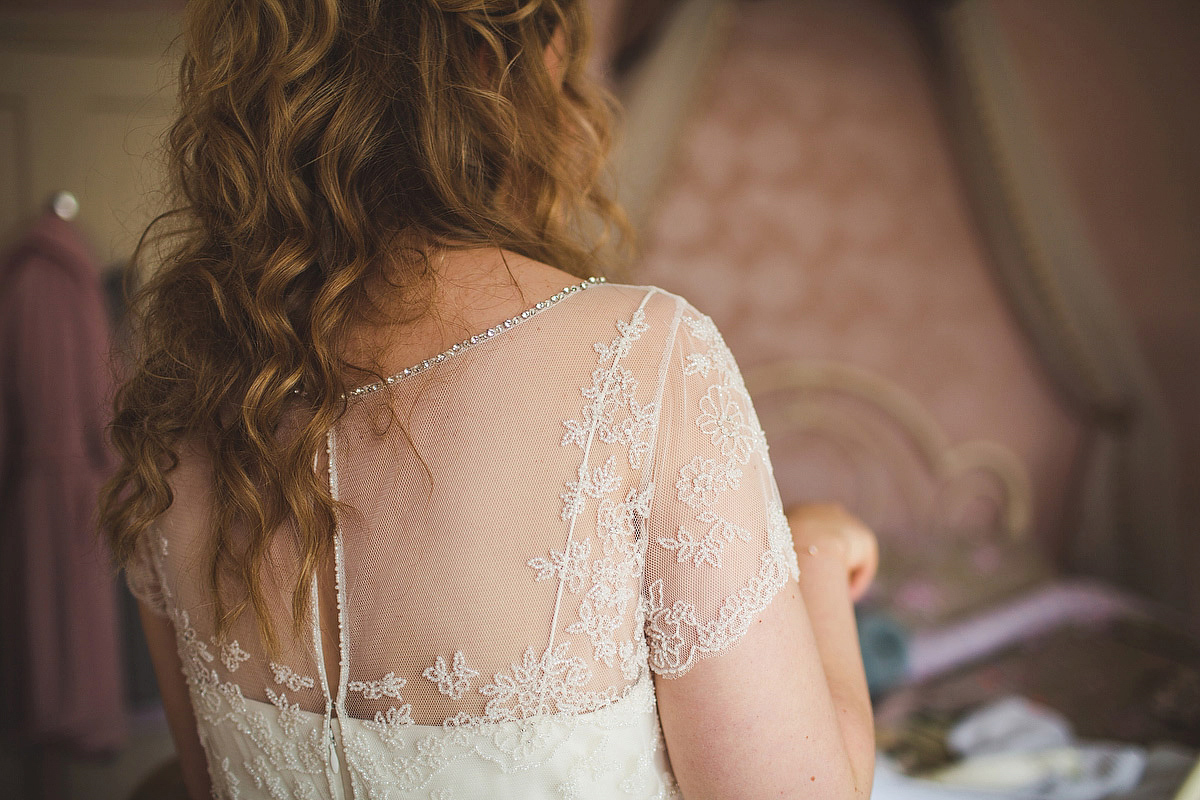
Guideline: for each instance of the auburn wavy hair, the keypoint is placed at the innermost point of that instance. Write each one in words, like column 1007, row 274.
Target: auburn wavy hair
column 323, row 147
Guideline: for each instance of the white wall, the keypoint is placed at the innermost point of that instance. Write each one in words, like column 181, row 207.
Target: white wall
column 84, row 99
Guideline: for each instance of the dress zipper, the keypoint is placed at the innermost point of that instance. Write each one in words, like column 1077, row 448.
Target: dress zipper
column 333, row 755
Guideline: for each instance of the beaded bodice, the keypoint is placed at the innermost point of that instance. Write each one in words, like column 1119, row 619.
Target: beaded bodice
column 539, row 521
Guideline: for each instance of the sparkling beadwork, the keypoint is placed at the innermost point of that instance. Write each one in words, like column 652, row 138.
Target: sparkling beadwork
column 476, row 339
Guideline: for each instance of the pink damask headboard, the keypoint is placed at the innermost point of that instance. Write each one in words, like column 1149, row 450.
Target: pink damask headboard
column 953, row 518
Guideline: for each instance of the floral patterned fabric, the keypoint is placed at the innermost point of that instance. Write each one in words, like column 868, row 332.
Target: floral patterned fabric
column 539, row 523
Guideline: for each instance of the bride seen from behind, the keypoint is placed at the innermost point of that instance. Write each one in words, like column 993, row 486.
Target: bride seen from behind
column 367, row 190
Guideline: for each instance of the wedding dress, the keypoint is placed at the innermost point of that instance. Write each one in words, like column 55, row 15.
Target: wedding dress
column 562, row 507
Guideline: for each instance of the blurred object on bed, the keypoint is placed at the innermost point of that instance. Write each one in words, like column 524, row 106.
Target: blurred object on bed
column 1042, row 608
column 1131, row 679
column 1068, row 772
column 1164, row 771
column 884, row 644
column 1190, row 789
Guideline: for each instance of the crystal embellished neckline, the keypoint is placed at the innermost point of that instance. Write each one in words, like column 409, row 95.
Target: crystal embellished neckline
column 478, row 338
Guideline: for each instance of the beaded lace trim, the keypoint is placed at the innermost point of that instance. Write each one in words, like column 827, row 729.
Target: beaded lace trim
column 465, row 344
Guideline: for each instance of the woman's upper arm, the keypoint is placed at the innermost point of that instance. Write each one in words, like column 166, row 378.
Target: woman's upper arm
column 144, row 574
column 743, row 699
column 177, row 703
column 758, row 721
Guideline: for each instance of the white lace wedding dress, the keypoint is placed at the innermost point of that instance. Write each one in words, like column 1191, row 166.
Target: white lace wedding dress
column 573, row 501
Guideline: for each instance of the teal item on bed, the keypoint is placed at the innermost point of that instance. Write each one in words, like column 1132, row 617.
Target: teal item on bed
column 884, row 645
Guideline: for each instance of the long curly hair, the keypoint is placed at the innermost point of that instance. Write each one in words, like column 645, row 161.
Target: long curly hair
column 323, row 147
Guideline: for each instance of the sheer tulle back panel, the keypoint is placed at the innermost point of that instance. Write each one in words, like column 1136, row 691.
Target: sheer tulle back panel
column 454, row 558
column 536, row 522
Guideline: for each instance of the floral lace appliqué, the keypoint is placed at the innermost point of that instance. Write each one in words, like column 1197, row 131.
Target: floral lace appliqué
column 677, row 632
column 702, row 481
column 571, row 565
column 232, row 655
column 722, row 419
column 550, row 684
column 453, row 682
column 387, row 686
column 388, row 724
column 708, row 549
column 286, row 676
column 613, row 391
column 594, row 483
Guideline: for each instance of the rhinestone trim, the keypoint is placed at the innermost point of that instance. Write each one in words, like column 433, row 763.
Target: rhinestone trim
column 465, row 344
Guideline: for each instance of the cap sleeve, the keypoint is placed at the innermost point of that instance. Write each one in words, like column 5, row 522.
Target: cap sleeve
column 143, row 572
column 718, row 547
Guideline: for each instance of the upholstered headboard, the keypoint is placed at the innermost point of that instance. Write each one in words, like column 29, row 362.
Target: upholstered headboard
column 953, row 518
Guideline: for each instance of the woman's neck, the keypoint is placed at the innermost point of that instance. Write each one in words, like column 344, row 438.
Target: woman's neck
column 468, row 290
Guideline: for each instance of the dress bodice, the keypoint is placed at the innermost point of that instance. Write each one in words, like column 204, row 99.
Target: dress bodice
column 538, row 523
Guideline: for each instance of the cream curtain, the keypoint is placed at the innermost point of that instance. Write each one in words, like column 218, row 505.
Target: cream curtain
column 1126, row 527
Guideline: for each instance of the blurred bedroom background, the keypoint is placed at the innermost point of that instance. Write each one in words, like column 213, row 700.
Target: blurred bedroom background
column 955, row 246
